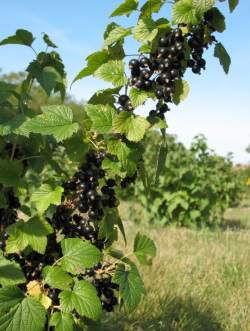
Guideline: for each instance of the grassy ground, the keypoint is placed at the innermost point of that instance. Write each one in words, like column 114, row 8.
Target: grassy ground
column 200, row 280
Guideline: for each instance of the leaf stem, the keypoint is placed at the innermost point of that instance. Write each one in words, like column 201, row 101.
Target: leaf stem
column 13, row 151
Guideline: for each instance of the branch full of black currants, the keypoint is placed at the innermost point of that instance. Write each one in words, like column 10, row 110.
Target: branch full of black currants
column 86, row 196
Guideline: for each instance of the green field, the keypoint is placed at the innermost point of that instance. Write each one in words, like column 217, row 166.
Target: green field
column 200, row 280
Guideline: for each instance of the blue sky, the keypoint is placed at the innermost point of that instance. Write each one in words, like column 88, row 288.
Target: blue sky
column 218, row 105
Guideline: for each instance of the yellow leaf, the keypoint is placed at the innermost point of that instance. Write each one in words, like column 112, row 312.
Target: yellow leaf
column 34, row 289
column 45, row 301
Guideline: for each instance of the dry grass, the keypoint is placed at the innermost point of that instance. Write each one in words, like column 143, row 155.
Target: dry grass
column 200, row 281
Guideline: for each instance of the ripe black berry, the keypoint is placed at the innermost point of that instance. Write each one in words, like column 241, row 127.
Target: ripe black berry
column 122, row 99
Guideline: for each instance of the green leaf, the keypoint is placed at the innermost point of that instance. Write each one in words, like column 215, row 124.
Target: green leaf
column 55, row 120
column 32, row 233
column 184, row 11
column 56, row 277
column 117, row 34
column 181, row 91
column 151, row 6
column 3, row 201
column 101, row 117
column 104, row 96
column 6, row 91
column 27, row 315
column 46, row 196
column 83, row 298
column 113, row 72
column 223, row 56
column 145, row 30
column 119, row 149
column 138, row 97
column 10, row 172
column 10, row 272
column 126, row 8
column 48, row 41
column 62, row 321
column 78, row 254
column 11, row 122
column 203, row 5
column 144, row 249
column 233, row 4
column 22, row 37
column 10, row 296
column 218, row 20
column 134, row 127
column 130, row 284
column 76, row 148
column 49, row 78
column 94, row 61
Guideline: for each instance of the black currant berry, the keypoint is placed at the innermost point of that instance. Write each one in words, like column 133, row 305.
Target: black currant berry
column 134, row 63
column 122, row 99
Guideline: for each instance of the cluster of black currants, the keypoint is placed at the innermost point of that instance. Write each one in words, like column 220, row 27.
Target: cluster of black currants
column 197, row 44
column 126, row 181
column 89, row 199
column 106, row 289
column 161, row 69
column 8, row 215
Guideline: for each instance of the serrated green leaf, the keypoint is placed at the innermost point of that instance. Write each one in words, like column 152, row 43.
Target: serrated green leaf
column 10, row 296
column 126, row 8
column 223, row 56
column 134, row 127
column 56, row 277
column 83, row 298
column 101, row 117
column 151, row 6
column 203, row 5
column 27, row 315
column 113, row 72
column 46, row 196
column 138, row 97
column 94, row 61
column 76, row 148
column 10, row 272
column 131, row 286
column 22, row 37
column 48, row 41
column 233, row 4
column 49, row 78
column 104, row 97
column 145, row 30
column 62, row 321
column 117, row 34
column 144, row 249
column 10, row 172
column 217, row 20
column 32, row 233
column 11, row 123
column 55, row 120
column 184, row 11
column 119, row 149
column 181, row 91
column 78, row 254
